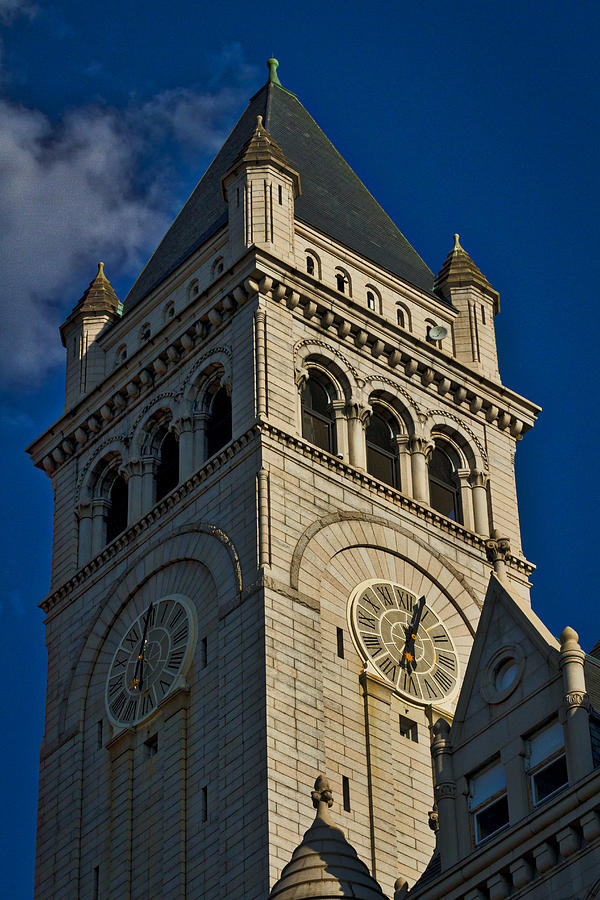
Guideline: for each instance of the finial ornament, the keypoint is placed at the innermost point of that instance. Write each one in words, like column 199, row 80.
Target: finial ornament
column 272, row 65
column 101, row 270
column 457, row 246
column 322, row 792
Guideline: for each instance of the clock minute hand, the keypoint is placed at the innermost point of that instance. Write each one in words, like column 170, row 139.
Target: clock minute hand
column 140, row 659
column 408, row 654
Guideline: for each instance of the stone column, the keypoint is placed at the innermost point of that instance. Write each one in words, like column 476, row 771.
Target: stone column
column 134, row 490
column 99, row 510
column 184, row 429
column 466, row 498
column 576, row 707
column 199, row 429
column 481, row 521
column 149, row 464
column 264, row 538
column 497, row 549
column 420, row 453
column 260, row 317
column 404, row 462
column 358, row 417
column 341, row 429
column 84, row 514
column 512, row 757
column 444, row 788
column 382, row 811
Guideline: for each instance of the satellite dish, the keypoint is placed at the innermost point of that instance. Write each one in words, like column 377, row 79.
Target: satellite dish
column 438, row 333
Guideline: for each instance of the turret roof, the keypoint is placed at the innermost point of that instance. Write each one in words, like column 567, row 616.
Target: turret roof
column 333, row 198
column 459, row 270
column 325, row 865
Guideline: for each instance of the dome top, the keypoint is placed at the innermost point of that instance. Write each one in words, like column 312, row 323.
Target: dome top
column 325, row 865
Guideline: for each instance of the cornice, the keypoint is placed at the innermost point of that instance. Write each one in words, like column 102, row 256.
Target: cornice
column 339, row 468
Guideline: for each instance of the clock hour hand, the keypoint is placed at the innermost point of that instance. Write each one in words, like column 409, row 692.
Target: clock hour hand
column 139, row 665
column 408, row 654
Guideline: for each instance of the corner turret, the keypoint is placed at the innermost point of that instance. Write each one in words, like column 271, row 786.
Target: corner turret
column 98, row 306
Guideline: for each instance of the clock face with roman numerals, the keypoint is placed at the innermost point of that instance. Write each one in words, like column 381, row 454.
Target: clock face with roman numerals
column 405, row 640
column 152, row 656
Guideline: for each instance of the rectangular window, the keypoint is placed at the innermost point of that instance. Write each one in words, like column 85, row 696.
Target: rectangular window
column 408, row 729
column 96, row 883
column 204, row 804
column 547, row 764
column 204, row 653
column 280, row 195
column 488, row 803
column 151, row 745
column 482, row 314
column 100, row 734
column 346, row 792
column 340, row 642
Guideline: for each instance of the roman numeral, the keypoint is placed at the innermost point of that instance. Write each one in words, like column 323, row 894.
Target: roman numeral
column 431, row 689
column 175, row 659
column 405, row 600
column 371, row 641
column 118, row 704
column 150, row 617
column 114, row 686
column 366, row 599
column 441, row 639
column 176, row 616
column 448, row 661
column 164, row 685
column 425, row 615
column 181, row 635
column 130, row 711
column 132, row 637
column 164, row 609
column 410, row 685
column 384, row 592
column 388, row 667
column 148, row 703
column 444, row 681
column 365, row 620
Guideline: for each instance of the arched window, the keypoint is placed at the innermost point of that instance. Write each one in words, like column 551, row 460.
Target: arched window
column 310, row 265
column 121, row 355
column 218, row 424
column 217, row 267
column 341, row 282
column 382, row 448
column 401, row 318
column 169, row 311
column 145, row 332
column 317, row 414
column 444, row 486
column 371, row 300
column 167, row 470
column 116, row 515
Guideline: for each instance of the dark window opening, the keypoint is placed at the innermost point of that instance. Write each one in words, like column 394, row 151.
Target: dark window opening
column 96, row 883
column 218, row 425
column 116, row 517
column 444, row 486
column 408, row 729
column 382, row 451
column 550, row 779
column 340, row 642
column 237, row 194
column 99, row 734
column 204, row 805
column 204, row 653
column 371, row 300
column 317, row 418
column 482, row 314
column 346, row 793
column 491, row 819
column 280, row 192
column 151, row 745
column 340, row 282
column 401, row 318
column 310, row 265
column 167, row 470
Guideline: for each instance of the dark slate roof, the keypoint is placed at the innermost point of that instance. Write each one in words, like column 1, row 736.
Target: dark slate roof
column 333, row 199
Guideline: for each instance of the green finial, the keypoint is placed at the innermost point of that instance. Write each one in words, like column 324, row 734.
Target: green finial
column 272, row 67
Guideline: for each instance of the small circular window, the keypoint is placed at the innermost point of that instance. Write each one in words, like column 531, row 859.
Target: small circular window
column 505, row 674
column 502, row 673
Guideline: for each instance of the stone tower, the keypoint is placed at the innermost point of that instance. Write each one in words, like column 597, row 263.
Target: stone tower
column 281, row 480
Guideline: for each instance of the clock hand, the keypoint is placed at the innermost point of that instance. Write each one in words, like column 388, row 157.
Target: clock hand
column 408, row 654
column 139, row 666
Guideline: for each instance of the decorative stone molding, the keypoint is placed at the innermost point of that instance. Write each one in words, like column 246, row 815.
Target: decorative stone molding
column 323, row 345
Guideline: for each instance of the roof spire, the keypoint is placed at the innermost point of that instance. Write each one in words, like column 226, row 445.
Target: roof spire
column 457, row 246
column 272, row 65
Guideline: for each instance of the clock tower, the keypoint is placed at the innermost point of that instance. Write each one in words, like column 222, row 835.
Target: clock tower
column 284, row 472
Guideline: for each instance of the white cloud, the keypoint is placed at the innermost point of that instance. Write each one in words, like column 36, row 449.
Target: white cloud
column 10, row 9
column 91, row 187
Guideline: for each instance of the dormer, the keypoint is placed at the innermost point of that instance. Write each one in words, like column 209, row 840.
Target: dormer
column 260, row 189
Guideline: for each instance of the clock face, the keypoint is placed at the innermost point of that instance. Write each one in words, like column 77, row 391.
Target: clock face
column 153, row 654
column 405, row 640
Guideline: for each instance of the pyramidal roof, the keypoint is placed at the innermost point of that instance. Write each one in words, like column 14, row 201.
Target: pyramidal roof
column 333, row 199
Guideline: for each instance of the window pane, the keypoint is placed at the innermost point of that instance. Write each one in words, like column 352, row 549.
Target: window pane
column 218, row 426
column 443, row 499
column 316, row 431
column 544, row 744
column 167, row 471
column 381, row 465
column 491, row 819
column 550, row 779
column 116, row 517
column 486, row 784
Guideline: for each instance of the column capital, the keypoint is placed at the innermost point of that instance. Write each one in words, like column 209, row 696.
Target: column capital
column 360, row 411
column 182, row 424
column 421, row 445
column 477, row 478
column 497, row 549
column 131, row 467
column 100, row 505
column 84, row 510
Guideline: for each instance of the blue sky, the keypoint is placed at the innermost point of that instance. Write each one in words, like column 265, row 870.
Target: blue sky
column 473, row 117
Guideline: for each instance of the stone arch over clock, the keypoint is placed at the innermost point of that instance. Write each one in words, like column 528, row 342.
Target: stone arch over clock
column 339, row 560
column 143, row 772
